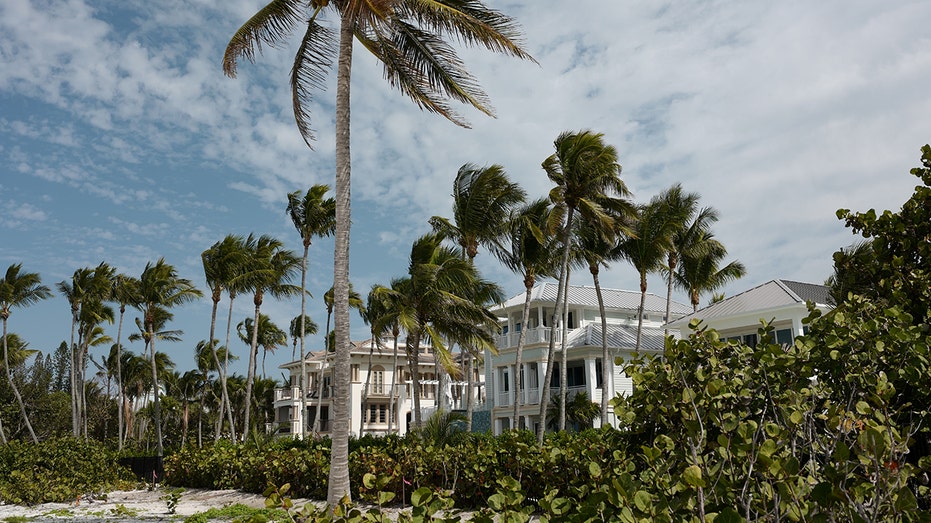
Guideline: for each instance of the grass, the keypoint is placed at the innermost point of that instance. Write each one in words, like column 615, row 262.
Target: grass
column 237, row 511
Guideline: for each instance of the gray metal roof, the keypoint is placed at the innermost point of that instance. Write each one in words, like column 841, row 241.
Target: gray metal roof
column 619, row 336
column 585, row 296
column 769, row 295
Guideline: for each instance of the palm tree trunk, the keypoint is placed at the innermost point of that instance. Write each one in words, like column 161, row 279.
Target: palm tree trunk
column 528, row 285
column 250, row 374
column 155, row 400
column 643, row 302
column 119, row 380
column 301, row 385
column 224, row 397
column 413, row 360
column 564, row 357
column 672, row 267
column 74, row 387
column 2, row 433
column 9, row 377
column 607, row 378
column 365, row 387
column 394, row 382
column 223, row 374
column 557, row 316
column 338, row 485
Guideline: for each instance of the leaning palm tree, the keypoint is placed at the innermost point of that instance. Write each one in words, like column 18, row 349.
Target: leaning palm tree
column 19, row 289
column 74, row 291
column 160, row 289
column 700, row 269
column 408, row 38
column 529, row 251
column 270, row 270
column 588, row 182
column 482, row 199
column 312, row 215
column 223, row 262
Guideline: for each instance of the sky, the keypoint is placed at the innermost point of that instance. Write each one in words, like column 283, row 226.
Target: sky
column 122, row 141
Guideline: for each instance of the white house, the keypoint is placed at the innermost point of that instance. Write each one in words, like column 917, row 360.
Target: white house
column 583, row 343
column 783, row 303
column 377, row 364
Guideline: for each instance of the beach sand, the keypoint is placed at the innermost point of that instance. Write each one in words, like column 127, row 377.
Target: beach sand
column 135, row 505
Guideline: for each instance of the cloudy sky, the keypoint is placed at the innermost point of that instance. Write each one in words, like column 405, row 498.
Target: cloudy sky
column 122, row 141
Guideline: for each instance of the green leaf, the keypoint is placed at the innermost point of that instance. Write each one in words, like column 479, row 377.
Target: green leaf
column 643, row 501
column 693, row 477
column 385, row 497
column 594, row 469
column 728, row 515
column 369, row 480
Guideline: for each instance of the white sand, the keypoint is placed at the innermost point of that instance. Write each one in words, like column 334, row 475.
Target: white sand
column 138, row 504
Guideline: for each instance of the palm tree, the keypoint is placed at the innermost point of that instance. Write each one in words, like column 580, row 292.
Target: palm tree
column 74, row 292
column 685, row 239
column 313, row 215
column 526, row 250
column 587, row 177
column 125, row 291
column 443, row 298
column 270, row 270
column 482, row 199
column 647, row 247
column 384, row 309
column 224, row 262
column 19, row 289
column 269, row 337
column 297, row 324
column 160, row 289
column 851, row 271
column 700, row 270
column 407, row 37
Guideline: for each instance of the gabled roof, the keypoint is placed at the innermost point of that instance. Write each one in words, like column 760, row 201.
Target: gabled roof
column 585, row 296
column 770, row 295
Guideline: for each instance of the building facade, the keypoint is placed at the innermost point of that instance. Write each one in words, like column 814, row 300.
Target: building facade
column 380, row 375
column 583, row 346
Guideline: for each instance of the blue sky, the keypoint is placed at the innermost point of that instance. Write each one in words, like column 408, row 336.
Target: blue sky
column 123, row 142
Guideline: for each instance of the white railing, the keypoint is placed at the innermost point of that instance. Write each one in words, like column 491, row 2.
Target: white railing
column 286, row 393
column 531, row 336
column 528, row 397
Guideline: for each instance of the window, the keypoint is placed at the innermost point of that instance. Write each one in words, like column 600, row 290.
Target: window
column 517, row 327
column 534, row 380
column 784, row 336
column 750, row 340
column 505, row 386
column 355, row 373
column 599, row 378
column 378, row 380
column 575, row 374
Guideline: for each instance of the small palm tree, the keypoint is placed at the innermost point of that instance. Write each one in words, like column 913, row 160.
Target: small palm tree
column 312, row 215
column 125, row 291
column 19, row 289
column 700, row 269
column 269, row 335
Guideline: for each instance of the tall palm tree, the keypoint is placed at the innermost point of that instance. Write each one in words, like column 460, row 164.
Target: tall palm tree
column 270, row 270
column 269, row 336
column 312, row 215
column 385, row 307
column 160, row 289
column 125, row 291
column 224, row 262
column 700, row 268
column 407, row 37
column 482, row 199
column 299, row 323
column 646, row 249
column 588, row 182
column 19, row 289
column 529, row 251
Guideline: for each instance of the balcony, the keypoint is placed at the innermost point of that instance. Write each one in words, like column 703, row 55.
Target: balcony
column 531, row 336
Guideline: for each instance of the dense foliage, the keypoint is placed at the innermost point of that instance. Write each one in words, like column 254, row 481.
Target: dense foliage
column 58, row 470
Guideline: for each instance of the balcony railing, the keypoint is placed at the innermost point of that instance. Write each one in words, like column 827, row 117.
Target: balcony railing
column 532, row 396
column 531, row 336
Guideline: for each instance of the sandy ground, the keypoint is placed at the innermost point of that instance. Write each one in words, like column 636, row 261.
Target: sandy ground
column 135, row 505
